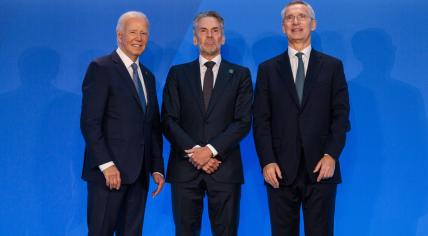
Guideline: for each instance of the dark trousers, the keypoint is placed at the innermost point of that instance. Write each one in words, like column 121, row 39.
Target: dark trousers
column 223, row 206
column 120, row 211
column 317, row 201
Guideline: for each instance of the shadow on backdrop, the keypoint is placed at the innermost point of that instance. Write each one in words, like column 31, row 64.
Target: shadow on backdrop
column 40, row 137
column 387, row 146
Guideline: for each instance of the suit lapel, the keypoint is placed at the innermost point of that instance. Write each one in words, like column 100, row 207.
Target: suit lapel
column 194, row 76
column 312, row 73
column 125, row 74
column 285, row 73
column 224, row 74
column 150, row 90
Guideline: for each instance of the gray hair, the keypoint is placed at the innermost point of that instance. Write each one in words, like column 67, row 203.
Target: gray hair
column 127, row 15
column 201, row 15
column 295, row 2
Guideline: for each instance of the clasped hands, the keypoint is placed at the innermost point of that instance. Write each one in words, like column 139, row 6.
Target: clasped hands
column 202, row 158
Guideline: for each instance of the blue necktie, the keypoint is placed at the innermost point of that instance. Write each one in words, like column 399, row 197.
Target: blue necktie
column 138, row 86
column 300, row 77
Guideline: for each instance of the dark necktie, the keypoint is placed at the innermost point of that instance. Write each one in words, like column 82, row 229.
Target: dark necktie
column 138, row 86
column 208, row 82
column 300, row 77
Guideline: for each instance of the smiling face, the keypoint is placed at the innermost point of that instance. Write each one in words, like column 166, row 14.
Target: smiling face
column 298, row 25
column 209, row 37
column 133, row 36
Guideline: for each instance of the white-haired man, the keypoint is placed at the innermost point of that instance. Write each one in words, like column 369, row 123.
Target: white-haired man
column 121, row 125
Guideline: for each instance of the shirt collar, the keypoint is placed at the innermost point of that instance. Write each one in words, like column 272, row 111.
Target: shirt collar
column 306, row 51
column 216, row 59
column 125, row 59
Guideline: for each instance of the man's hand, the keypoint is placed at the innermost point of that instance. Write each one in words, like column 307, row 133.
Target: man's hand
column 160, row 181
column 112, row 176
column 199, row 156
column 211, row 166
column 326, row 167
column 270, row 173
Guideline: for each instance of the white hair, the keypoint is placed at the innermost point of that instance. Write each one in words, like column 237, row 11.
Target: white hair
column 295, row 2
column 127, row 15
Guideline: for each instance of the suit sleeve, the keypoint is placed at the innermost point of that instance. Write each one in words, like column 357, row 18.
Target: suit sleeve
column 241, row 124
column 171, row 115
column 157, row 141
column 339, row 114
column 262, row 119
column 95, row 90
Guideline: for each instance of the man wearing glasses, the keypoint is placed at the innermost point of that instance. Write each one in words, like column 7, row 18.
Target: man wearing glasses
column 301, row 116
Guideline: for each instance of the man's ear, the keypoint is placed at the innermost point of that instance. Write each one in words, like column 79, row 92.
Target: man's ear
column 195, row 40
column 119, row 36
column 313, row 25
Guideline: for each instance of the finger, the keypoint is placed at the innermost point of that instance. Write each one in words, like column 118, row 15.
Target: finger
column 189, row 151
column 214, row 168
column 330, row 172
column 267, row 177
column 160, row 187
column 271, row 183
column 110, row 183
column 156, row 192
column 321, row 175
column 207, row 169
column 113, row 182
column 317, row 167
column 274, row 180
column 278, row 172
column 119, row 182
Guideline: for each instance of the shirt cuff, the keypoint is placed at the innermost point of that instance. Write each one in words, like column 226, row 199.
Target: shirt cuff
column 212, row 150
column 106, row 165
column 159, row 173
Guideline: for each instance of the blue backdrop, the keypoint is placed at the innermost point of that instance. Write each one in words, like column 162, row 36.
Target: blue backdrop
column 46, row 45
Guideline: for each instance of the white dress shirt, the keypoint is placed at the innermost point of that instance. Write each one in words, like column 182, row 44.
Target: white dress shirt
column 294, row 61
column 203, row 69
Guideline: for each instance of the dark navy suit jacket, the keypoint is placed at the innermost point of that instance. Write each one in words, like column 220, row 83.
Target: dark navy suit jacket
column 283, row 128
column 224, row 124
column 114, row 125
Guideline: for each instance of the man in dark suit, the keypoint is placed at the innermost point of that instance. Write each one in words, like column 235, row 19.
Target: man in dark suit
column 120, row 122
column 206, row 112
column 301, row 116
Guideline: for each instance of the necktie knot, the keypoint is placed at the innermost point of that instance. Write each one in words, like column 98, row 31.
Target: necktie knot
column 134, row 66
column 209, row 64
column 299, row 55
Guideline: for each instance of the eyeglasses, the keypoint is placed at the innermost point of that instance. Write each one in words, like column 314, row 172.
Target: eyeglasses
column 299, row 18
